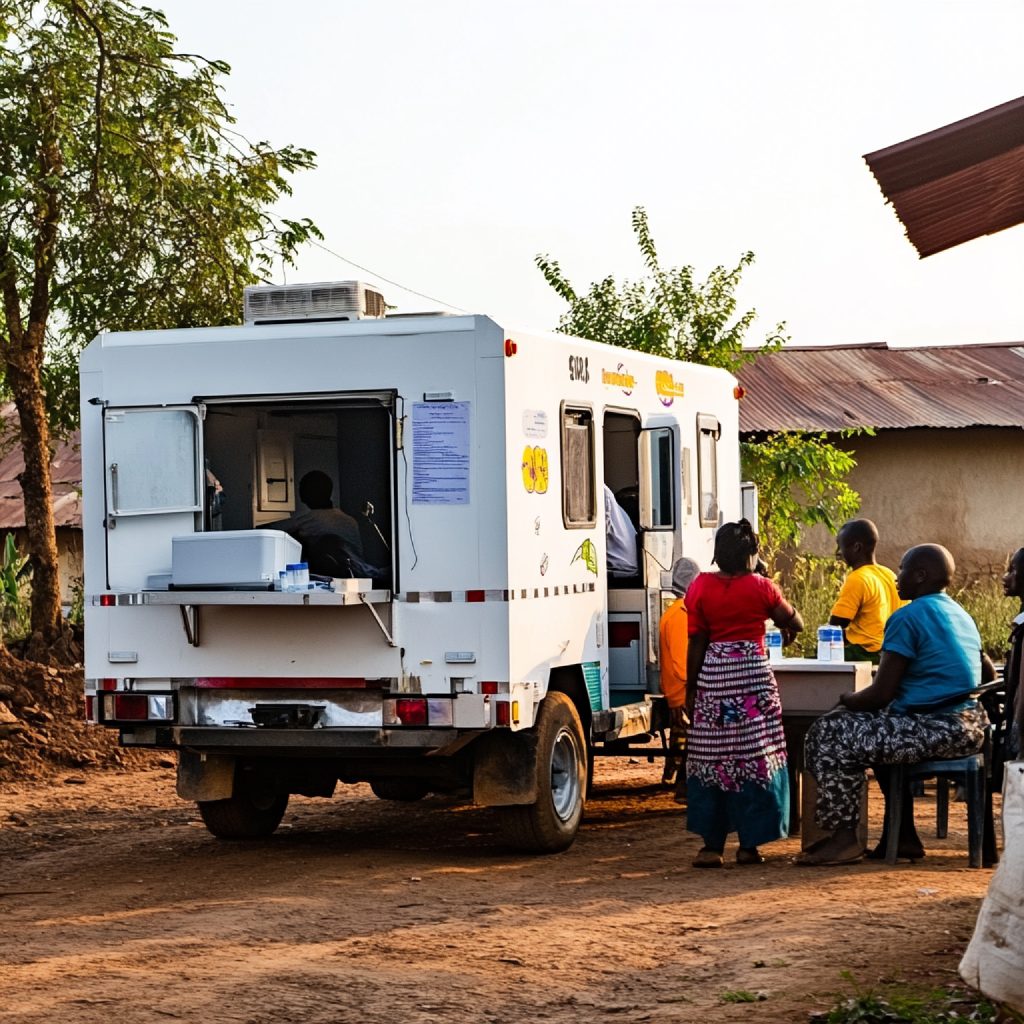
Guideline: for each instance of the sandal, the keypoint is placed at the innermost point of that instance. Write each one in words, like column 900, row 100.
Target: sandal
column 749, row 855
column 708, row 859
column 819, row 859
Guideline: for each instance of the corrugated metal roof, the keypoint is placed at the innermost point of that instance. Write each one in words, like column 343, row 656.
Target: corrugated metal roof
column 66, row 470
column 877, row 386
column 958, row 182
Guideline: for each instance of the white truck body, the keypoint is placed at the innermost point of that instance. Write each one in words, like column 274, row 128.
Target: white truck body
column 482, row 451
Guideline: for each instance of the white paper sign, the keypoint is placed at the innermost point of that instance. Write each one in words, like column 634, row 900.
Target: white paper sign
column 440, row 461
column 535, row 423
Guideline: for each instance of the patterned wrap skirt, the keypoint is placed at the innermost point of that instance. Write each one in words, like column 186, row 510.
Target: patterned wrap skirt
column 736, row 750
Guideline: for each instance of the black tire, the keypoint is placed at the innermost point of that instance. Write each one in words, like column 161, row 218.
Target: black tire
column 251, row 813
column 550, row 824
column 404, row 790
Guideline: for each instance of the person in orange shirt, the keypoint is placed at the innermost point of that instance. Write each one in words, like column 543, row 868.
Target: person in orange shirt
column 868, row 595
column 673, row 632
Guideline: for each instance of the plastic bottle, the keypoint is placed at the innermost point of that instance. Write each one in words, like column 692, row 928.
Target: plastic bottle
column 773, row 644
column 291, row 576
column 837, row 644
column 302, row 576
column 824, row 643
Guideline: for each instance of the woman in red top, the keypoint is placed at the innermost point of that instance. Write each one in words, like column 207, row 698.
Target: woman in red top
column 736, row 752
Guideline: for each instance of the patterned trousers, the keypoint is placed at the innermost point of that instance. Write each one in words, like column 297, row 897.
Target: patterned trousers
column 842, row 744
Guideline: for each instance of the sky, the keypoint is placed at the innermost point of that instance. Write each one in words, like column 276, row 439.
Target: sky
column 457, row 139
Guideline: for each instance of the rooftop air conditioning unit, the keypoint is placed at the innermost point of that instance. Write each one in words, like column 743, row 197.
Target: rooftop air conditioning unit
column 329, row 300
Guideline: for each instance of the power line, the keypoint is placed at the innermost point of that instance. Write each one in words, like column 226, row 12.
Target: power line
column 381, row 277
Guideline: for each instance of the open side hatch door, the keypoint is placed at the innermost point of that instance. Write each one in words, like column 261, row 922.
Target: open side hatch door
column 155, row 487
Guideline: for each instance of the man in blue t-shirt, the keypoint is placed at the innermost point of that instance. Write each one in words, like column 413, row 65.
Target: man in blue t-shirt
column 919, row 706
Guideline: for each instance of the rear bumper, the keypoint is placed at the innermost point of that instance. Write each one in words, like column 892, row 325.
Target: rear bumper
column 321, row 741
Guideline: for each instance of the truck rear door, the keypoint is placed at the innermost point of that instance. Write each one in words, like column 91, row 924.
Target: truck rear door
column 154, row 481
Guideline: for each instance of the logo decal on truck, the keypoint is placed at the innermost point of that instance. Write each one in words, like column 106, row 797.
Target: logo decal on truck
column 667, row 387
column 579, row 369
column 619, row 378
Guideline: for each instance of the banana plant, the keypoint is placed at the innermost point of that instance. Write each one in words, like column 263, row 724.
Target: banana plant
column 12, row 602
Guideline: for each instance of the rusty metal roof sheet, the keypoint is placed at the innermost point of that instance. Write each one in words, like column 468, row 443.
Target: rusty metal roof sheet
column 65, row 467
column 958, row 182
column 832, row 388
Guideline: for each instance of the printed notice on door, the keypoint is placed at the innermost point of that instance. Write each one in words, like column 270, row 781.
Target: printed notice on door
column 440, row 460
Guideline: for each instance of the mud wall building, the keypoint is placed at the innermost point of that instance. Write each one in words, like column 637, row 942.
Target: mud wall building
column 946, row 461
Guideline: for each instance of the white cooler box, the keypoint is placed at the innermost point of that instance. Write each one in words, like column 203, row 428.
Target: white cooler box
column 231, row 558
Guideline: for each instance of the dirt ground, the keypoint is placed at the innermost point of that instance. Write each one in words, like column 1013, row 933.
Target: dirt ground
column 117, row 905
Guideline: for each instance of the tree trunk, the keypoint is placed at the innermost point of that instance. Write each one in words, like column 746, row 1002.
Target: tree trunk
column 47, row 622
column 23, row 356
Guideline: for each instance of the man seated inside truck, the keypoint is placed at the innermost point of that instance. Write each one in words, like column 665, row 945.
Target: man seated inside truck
column 621, row 538
column 329, row 537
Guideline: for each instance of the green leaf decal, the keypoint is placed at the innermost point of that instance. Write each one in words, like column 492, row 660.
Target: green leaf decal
column 588, row 553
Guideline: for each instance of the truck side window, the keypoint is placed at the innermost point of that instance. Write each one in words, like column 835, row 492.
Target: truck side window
column 657, row 484
column 708, row 433
column 579, row 508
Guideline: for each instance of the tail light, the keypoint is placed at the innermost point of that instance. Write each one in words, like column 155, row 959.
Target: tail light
column 419, row 711
column 90, row 707
column 136, row 707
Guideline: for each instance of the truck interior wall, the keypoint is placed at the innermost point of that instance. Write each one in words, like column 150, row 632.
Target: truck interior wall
column 230, row 452
column 365, row 459
column 351, row 445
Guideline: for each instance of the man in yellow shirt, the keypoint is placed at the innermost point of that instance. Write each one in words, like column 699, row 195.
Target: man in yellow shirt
column 674, row 648
column 868, row 595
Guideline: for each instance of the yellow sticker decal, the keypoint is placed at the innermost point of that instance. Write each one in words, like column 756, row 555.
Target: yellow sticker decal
column 529, row 472
column 540, row 469
column 535, row 470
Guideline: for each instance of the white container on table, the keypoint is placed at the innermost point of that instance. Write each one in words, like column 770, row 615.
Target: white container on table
column 231, row 558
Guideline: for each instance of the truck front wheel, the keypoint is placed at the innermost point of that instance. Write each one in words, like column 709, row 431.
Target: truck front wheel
column 550, row 824
column 252, row 812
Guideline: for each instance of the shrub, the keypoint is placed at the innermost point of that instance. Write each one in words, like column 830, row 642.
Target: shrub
column 812, row 582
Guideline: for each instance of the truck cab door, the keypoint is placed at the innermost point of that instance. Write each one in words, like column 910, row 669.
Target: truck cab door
column 155, row 487
column 659, row 500
column 660, row 514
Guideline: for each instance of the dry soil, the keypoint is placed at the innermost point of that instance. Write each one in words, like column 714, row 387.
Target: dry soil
column 117, row 906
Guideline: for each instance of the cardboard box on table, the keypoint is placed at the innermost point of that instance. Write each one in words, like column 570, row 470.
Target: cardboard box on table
column 809, row 688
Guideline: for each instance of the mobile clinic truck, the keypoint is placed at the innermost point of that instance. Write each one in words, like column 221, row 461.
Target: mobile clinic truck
column 488, row 650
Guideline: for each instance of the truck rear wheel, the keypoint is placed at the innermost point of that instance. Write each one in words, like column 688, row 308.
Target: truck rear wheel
column 550, row 824
column 405, row 790
column 252, row 812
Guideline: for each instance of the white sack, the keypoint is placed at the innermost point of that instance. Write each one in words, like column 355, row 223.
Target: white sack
column 994, row 960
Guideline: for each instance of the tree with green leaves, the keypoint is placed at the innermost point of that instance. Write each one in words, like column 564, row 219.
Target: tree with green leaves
column 668, row 313
column 800, row 476
column 801, row 481
column 127, row 200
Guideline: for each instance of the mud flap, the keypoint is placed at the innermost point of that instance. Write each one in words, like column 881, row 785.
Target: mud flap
column 203, row 777
column 505, row 768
